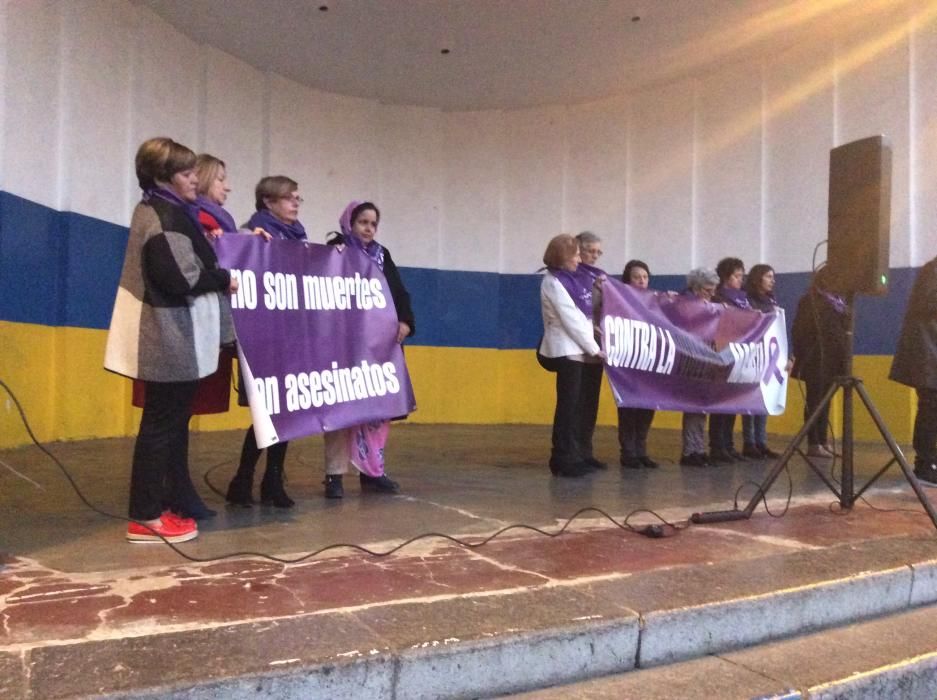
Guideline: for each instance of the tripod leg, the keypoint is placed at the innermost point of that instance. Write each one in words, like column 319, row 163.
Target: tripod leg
column 847, row 482
column 776, row 469
column 899, row 456
column 792, row 446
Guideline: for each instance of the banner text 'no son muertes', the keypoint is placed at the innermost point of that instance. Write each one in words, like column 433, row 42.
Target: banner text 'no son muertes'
column 679, row 353
column 317, row 337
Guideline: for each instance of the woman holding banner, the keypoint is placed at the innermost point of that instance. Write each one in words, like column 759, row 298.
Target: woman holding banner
column 701, row 286
column 363, row 445
column 731, row 273
column 569, row 348
column 170, row 317
column 277, row 202
column 635, row 423
column 759, row 287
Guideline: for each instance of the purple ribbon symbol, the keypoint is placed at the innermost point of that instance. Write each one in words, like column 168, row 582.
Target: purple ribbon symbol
column 774, row 354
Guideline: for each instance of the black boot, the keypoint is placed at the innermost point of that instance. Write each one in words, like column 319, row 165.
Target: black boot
column 239, row 490
column 271, row 488
column 241, row 486
column 333, row 486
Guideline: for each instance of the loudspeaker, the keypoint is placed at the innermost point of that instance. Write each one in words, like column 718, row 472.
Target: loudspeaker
column 859, row 217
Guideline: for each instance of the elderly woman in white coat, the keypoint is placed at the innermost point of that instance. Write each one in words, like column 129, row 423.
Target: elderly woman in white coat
column 569, row 348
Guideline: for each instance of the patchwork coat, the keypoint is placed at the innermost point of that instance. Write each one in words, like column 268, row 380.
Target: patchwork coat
column 172, row 312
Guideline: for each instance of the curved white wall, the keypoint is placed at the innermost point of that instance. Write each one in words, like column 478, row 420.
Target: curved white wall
column 732, row 162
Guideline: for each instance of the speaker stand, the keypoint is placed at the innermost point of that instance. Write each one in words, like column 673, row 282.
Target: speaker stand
column 846, row 491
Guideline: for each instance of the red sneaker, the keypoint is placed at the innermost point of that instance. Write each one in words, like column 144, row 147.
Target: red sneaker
column 169, row 515
column 172, row 530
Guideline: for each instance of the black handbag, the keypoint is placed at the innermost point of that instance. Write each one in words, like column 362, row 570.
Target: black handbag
column 550, row 364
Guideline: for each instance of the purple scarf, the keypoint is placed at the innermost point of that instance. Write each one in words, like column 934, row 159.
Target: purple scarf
column 218, row 213
column 736, row 297
column 373, row 250
column 837, row 302
column 579, row 285
column 278, row 229
column 167, row 195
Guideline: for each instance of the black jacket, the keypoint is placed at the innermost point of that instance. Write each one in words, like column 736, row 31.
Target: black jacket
column 818, row 339
column 915, row 361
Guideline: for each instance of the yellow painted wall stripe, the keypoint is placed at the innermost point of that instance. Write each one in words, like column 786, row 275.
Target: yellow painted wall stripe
column 58, row 377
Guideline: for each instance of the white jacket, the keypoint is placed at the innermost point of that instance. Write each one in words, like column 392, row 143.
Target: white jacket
column 566, row 330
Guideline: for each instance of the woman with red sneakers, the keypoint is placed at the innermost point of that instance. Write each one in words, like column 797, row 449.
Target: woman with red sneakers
column 170, row 318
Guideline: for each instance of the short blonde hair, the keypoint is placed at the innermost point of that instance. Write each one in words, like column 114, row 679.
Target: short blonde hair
column 207, row 167
column 560, row 249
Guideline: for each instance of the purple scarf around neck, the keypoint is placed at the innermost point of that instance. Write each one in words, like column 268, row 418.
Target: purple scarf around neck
column 837, row 302
column 167, row 195
column 265, row 219
column 737, row 297
column 373, row 250
column 218, row 213
column 579, row 285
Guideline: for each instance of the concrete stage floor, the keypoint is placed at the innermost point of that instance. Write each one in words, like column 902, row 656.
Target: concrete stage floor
column 84, row 613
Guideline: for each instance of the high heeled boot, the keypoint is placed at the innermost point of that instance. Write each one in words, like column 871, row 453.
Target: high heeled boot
column 271, row 488
column 241, row 486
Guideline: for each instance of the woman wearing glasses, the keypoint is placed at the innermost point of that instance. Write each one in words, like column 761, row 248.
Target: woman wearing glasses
column 277, row 200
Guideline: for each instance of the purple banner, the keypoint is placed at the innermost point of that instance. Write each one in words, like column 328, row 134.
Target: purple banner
column 680, row 353
column 317, row 337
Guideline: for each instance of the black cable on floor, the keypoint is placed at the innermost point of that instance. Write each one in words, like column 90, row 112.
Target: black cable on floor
column 665, row 529
column 763, row 495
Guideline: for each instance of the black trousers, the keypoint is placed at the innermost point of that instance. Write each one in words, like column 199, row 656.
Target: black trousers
column 721, row 431
column 925, row 426
column 577, row 401
column 633, row 427
column 162, row 447
column 819, row 431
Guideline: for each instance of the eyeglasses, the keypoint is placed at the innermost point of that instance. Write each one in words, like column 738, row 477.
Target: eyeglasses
column 294, row 198
column 592, row 251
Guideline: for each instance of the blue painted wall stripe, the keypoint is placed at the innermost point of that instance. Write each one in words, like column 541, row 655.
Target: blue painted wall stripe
column 62, row 269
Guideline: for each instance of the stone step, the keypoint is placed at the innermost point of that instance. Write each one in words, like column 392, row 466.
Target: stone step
column 889, row 657
column 497, row 641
